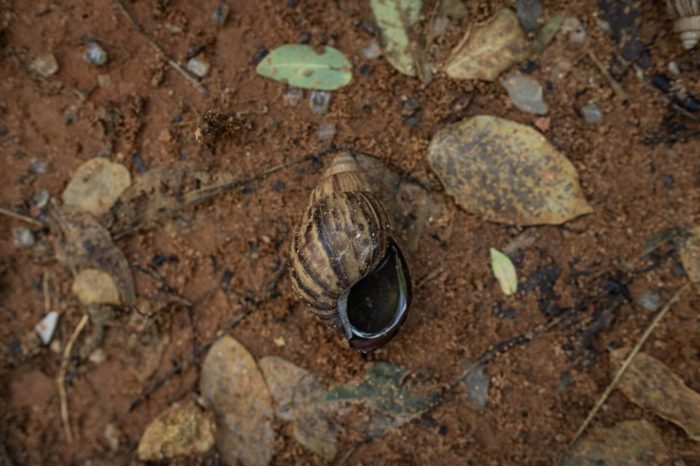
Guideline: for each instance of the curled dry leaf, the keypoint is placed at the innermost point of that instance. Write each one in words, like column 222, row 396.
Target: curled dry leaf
column 93, row 286
column 96, row 186
column 162, row 192
column 506, row 172
column 181, row 430
column 628, row 443
column 395, row 18
column 652, row 385
column 488, row 49
column 504, row 271
column 293, row 389
column 233, row 386
column 82, row 243
column 690, row 256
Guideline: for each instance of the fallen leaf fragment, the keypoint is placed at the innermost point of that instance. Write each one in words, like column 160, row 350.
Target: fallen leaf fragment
column 83, row 243
column 293, row 389
column 488, row 49
column 395, row 18
column 690, row 256
column 93, row 286
column 504, row 271
column 181, row 430
column 628, row 443
column 652, row 385
column 233, row 386
column 96, row 185
column 506, row 172
column 299, row 65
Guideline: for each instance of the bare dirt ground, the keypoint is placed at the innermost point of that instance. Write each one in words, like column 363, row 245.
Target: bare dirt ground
column 223, row 256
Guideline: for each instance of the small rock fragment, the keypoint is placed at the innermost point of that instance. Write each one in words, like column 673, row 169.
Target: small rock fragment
column 326, row 131
column 574, row 29
column 372, row 51
column 40, row 198
column 47, row 326
column 529, row 13
column 650, row 301
column 477, row 384
column 93, row 286
column 23, row 237
column 95, row 54
column 198, row 67
column 591, row 113
column 181, row 430
column 220, row 14
column 673, row 68
column 38, row 166
column 292, row 96
column 259, row 54
column 98, row 356
column 525, row 93
column 320, row 101
column 45, row 65
column 112, row 435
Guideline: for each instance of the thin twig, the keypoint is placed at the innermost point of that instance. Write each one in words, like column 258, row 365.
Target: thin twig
column 24, row 218
column 616, row 87
column 628, row 360
column 186, row 74
column 47, row 292
column 62, row 376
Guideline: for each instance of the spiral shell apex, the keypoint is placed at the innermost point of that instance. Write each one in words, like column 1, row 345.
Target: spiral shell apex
column 344, row 264
column 687, row 20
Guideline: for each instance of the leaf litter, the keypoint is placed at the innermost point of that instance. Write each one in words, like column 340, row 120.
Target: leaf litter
column 690, row 256
column 299, row 65
column 396, row 19
column 96, row 185
column 504, row 271
column 506, row 172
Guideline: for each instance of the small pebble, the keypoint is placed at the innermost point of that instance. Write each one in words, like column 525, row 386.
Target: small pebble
column 45, row 65
column 277, row 186
column 104, row 80
column 477, row 384
column 667, row 180
column 95, row 54
column 23, row 237
column 650, row 301
column 370, row 27
column 292, row 96
column 304, row 37
column 47, row 326
column 573, row 28
column 38, row 166
column 40, row 198
column 259, row 54
column 529, row 13
column 138, row 163
column 112, row 436
column 326, row 131
column 673, row 68
column 320, row 101
column 409, row 106
column 525, row 93
column 198, row 67
column 530, row 66
column 413, row 120
column 591, row 113
column 372, row 51
column 366, row 69
column 98, row 356
column 220, row 14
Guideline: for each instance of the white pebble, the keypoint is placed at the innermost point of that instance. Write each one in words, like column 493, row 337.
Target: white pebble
column 95, row 54
column 320, row 101
column 23, row 237
column 591, row 113
column 573, row 28
column 198, row 67
column 372, row 51
column 47, row 326
column 673, row 68
column 326, row 131
column 45, row 65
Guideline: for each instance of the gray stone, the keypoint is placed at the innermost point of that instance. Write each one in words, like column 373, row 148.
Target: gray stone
column 529, row 13
column 95, row 54
column 326, row 132
column 573, row 28
column 292, row 96
column 372, row 51
column 591, row 113
column 38, row 166
column 23, row 237
column 45, row 65
column 40, row 198
column 220, row 14
column 650, row 301
column 525, row 93
column 320, row 101
column 198, row 67
column 477, row 384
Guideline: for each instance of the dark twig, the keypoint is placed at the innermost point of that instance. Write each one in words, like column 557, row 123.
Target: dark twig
column 186, row 74
column 24, row 218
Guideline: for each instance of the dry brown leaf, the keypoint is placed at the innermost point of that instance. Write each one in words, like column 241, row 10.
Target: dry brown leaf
column 293, row 388
column 85, row 244
column 506, row 172
column 690, row 257
column 160, row 193
column 96, row 185
column 628, row 443
column 93, row 286
column 488, row 49
column 652, row 385
column 181, row 430
column 233, row 386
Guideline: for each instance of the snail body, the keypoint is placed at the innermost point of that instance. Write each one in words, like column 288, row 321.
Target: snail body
column 687, row 20
column 344, row 263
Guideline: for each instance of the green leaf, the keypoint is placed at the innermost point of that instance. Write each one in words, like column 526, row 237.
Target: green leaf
column 547, row 33
column 300, row 66
column 504, row 271
column 395, row 18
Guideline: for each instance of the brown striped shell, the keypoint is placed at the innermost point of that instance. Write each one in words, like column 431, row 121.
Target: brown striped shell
column 342, row 238
column 687, row 20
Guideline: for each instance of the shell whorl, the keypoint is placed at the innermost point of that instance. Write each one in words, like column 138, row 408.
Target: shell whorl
column 343, row 236
column 687, row 20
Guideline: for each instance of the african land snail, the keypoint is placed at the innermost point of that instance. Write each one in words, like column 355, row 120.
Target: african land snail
column 687, row 20
column 344, row 263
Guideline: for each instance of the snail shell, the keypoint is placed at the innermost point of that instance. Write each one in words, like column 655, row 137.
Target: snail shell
column 687, row 20
column 344, row 264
